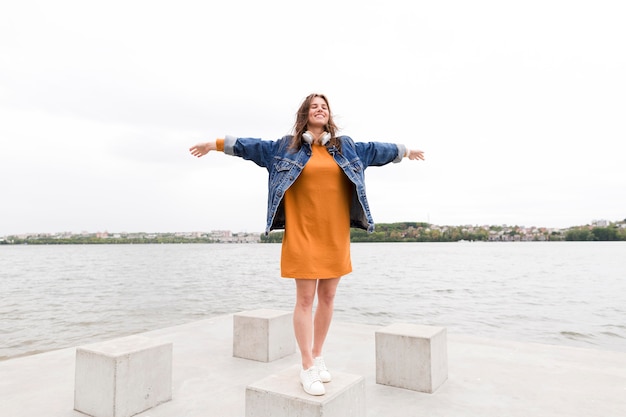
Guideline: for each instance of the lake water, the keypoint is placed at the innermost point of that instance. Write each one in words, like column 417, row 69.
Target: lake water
column 569, row 293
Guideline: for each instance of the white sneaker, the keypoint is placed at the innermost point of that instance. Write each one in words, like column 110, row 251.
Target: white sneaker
column 311, row 381
column 323, row 370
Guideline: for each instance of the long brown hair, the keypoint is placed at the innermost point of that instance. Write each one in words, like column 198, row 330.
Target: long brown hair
column 302, row 118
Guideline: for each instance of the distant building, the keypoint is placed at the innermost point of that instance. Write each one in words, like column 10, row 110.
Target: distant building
column 226, row 236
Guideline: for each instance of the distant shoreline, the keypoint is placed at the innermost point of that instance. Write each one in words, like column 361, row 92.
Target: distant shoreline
column 384, row 232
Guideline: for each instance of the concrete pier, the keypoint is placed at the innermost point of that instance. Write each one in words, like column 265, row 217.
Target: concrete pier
column 486, row 377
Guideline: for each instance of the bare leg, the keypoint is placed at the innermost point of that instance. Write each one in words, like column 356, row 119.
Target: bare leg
column 326, row 290
column 303, row 319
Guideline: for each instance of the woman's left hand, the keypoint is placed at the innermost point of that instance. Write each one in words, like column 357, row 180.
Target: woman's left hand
column 414, row 154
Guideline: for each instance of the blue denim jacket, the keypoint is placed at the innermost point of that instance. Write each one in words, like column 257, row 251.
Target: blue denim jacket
column 285, row 165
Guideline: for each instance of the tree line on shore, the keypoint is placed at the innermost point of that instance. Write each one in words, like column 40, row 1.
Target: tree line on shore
column 424, row 232
column 385, row 232
column 94, row 240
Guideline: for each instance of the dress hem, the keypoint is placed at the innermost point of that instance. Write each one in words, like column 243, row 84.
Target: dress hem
column 315, row 277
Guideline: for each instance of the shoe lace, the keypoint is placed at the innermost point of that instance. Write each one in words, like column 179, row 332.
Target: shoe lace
column 320, row 364
column 311, row 375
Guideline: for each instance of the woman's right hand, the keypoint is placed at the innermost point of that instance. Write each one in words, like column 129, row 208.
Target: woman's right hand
column 202, row 149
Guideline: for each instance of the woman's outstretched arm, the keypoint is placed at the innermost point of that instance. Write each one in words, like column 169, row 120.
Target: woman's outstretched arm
column 201, row 149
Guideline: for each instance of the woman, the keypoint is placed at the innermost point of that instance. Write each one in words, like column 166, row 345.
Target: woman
column 316, row 193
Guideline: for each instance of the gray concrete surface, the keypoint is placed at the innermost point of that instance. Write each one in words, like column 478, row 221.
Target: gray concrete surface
column 486, row 377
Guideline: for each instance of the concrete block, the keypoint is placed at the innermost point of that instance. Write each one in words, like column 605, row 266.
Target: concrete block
column 263, row 335
column 412, row 356
column 281, row 394
column 122, row 377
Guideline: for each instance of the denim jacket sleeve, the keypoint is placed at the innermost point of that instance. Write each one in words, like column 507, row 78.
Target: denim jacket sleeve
column 377, row 153
column 261, row 152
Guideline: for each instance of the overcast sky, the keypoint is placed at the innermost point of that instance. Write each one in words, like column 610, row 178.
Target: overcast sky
column 520, row 108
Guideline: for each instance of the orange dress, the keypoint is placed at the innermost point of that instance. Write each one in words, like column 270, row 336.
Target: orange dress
column 316, row 243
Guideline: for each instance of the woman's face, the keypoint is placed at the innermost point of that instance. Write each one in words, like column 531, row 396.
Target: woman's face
column 318, row 113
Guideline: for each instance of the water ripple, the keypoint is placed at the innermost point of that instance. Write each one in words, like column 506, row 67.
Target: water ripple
column 567, row 293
